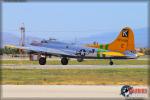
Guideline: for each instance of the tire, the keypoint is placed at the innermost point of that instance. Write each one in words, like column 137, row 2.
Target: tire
column 42, row 61
column 64, row 61
column 111, row 63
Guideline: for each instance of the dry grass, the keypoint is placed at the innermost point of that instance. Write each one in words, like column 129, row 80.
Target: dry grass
column 111, row 76
column 74, row 62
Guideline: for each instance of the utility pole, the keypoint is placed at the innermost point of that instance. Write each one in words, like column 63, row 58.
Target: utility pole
column 22, row 39
column 22, row 30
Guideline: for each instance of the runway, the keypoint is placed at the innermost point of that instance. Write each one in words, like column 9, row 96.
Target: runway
column 13, row 66
column 66, row 91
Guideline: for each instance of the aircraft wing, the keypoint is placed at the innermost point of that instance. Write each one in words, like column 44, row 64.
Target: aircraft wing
column 118, row 54
column 43, row 49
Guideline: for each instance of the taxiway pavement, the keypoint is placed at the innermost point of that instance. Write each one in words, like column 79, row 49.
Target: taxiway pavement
column 66, row 91
column 13, row 66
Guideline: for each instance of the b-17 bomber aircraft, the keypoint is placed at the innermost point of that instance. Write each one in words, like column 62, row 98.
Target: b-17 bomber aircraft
column 121, row 48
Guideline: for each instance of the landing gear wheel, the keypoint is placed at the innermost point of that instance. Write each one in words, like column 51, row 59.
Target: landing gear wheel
column 42, row 61
column 64, row 61
column 111, row 63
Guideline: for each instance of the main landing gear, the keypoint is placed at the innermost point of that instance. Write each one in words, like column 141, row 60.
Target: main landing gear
column 111, row 62
column 42, row 60
column 64, row 61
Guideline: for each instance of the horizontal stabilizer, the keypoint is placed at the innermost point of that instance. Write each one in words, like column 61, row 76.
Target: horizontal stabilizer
column 140, row 54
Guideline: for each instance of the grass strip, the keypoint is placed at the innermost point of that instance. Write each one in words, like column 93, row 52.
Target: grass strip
column 109, row 76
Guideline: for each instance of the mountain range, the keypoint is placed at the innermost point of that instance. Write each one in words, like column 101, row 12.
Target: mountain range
column 141, row 38
column 140, row 35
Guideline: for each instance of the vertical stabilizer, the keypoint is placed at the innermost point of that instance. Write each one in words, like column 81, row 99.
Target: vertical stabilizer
column 124, row 41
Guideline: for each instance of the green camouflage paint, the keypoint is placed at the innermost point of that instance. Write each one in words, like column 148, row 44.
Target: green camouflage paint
column 106, row 46
column 98, row 53
column 101, row 46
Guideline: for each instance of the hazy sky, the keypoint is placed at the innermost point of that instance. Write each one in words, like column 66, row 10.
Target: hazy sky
column 68, row 20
